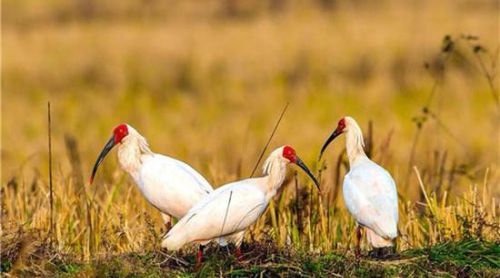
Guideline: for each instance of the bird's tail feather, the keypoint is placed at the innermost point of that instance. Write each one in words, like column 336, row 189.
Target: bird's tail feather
column 386, row 229
column 376, row 240
column 174, row 240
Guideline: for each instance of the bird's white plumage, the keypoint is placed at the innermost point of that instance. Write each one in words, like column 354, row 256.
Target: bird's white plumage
column 170, row 185
column 369, row 191
column 370, row 196
column 230, row 209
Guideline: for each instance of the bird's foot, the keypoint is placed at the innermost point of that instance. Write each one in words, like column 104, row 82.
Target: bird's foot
column 388, row 253
column 374, row 253
column 382, row 253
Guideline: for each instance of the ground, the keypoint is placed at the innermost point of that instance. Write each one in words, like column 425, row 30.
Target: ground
column 466, row 258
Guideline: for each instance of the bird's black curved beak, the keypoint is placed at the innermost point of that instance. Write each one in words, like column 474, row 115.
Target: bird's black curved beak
column 302, row 165
column 328, row 141
column 109, row 145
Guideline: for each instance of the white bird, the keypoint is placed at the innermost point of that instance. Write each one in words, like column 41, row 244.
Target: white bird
column 369, row 190
column 232, row 208
column 170, row 185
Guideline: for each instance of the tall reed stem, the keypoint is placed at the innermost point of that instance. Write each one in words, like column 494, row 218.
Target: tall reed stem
column 51, row 190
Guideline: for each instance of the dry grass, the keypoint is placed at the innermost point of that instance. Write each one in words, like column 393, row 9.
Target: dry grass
column 205, row 85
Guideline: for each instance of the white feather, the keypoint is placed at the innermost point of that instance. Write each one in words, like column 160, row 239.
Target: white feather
column 170, row 185
column 369, row 191
column 370, row 196
column 230, row 209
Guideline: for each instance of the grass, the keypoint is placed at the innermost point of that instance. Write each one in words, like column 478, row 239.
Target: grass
column 466, row 258
column 205, row 84
column 468, row 253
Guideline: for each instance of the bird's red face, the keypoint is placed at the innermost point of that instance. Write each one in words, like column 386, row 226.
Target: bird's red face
column 341, row 125
column 120, row 132
column 290, row 154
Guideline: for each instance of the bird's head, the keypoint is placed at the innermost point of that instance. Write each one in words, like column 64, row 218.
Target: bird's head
column 344, row 125
column 120, row 132
column 286, row 155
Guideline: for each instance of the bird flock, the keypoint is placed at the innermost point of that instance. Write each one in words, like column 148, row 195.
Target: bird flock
column 222, row 215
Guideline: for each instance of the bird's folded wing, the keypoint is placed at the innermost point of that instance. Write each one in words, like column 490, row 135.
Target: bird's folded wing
column 195, row 175
column 225, row 211
column 373, row 203
column 177, row 174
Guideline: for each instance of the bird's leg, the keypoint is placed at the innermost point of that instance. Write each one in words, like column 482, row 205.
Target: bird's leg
column 238, row 240
column 237, row 253
column 357, row 251
column 199, row 256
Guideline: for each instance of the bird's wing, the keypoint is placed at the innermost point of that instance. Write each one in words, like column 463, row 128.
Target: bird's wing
column 185, row 168
column 371, row 197
column 170, row 185
column 176, row 173
column 229, row 209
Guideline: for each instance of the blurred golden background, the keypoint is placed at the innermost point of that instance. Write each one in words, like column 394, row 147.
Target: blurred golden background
column 204, row 82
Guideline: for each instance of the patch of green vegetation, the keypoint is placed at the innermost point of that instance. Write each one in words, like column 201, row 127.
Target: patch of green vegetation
column 5, row 266
column 69, row 268
column 131, row 265
column 468, row 253
column 466, row 258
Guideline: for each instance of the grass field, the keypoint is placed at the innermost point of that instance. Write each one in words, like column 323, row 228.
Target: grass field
column 205, row 83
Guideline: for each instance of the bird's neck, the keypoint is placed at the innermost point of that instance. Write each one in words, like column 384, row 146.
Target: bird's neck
column 276, row 173
column 354, row 145
column 130, row 152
